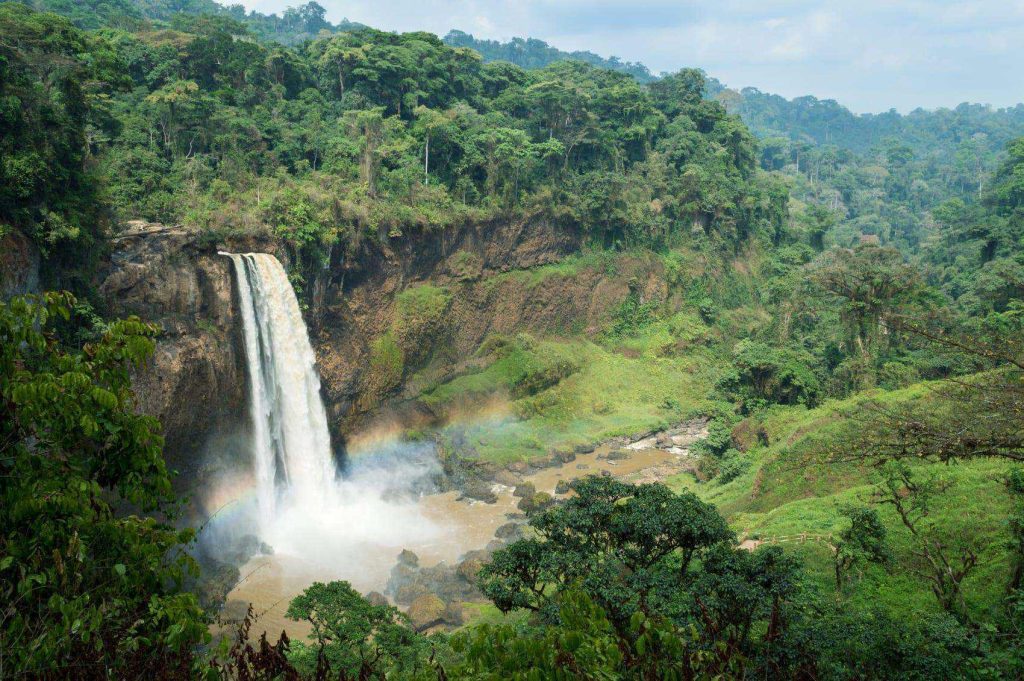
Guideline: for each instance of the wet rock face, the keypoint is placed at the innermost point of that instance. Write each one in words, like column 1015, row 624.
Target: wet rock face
column 359, row 307
column 195, row 381
column 19, row 265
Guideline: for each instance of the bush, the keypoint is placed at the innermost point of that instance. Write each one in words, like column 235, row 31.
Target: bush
column 733, row 465
column 633, row 315
column 895, row 375
column 386, row 367
column 90, row 592
column 764, row 374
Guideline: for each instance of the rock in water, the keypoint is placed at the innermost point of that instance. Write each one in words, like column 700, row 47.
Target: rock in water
column 526, row 489
column 507, row 479
column 538, row 501
column 426, row 611
column 480, row 491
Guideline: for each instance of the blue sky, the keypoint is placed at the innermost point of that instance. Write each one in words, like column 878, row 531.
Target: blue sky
column 871, row 55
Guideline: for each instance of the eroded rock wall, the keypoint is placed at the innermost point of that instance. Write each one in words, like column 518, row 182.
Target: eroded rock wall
column 196, row 381
column 19, row 265
column 359, row 306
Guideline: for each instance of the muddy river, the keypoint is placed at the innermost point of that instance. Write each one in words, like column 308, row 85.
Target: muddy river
column 269, row 582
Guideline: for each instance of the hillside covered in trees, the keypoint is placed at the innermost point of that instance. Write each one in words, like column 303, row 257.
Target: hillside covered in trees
column 836, row 300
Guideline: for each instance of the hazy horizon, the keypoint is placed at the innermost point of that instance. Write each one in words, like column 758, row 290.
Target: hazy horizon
column 871, row 57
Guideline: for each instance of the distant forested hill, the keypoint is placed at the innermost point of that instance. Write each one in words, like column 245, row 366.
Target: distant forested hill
column 530, row 53
column 876, row 174
column 802, row 119
column 825, row 121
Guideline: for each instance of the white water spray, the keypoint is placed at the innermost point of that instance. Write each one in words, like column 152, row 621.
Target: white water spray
column 291, row 446
column 305, row 511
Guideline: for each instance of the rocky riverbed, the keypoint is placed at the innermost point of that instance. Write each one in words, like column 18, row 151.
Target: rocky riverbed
column 433, row 578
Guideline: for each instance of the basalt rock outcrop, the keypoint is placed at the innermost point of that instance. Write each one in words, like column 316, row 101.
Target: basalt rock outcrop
column 359, row 304
column 19, row 265
column 480, row 271
column 195, row 381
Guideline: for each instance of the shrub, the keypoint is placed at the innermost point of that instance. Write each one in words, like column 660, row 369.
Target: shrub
column 90, row 592
column 895, row 375
column 632, row 316
column 765, row 374
column 733, row 465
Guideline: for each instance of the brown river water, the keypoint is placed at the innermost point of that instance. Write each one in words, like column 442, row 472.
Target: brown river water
column 269, row 582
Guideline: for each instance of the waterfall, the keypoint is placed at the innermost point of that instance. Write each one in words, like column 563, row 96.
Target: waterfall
column 291, row 447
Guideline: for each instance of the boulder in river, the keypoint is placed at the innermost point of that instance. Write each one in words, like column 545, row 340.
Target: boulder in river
column 409, row 592
column 469, row 568
column 479, row 490
column 426, row 611
column 562, row 456
column 509, row 532
column 507, row 478
column 526, row 489
column 536, row 502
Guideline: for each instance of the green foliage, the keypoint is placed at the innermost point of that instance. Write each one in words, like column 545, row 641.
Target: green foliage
column 863, row 541
column 732, row 465
column 584, row 645
column 763, row 374
column 354, row 638
column 418, row 307
column 651, row 572
column 304, row 225
column 827, row 123
column 946, row 564
column 633, row 315
column 363, row 132
column 386, row 366
column 617, row 541
column 184, row 112
column 55, row 82
column 1015, row 486
column 88, row 591
column 530, row 53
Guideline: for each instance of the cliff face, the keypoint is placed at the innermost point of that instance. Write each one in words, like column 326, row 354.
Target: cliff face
column 19, row 265
column 358, row 309
column 195, row 382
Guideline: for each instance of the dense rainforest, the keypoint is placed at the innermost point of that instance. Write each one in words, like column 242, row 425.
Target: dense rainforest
column 838, row 297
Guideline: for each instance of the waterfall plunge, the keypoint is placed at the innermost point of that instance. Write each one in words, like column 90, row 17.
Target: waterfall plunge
column 290, row 443
column 351, row 528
